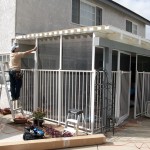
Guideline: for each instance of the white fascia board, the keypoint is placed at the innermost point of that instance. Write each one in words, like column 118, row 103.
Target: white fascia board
column 108, row 32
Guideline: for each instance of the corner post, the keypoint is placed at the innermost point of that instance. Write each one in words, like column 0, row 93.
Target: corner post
column 35, row 71
column 93, row 84
column 59, row 82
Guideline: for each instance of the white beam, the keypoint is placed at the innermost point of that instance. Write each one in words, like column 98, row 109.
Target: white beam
column 109, row 32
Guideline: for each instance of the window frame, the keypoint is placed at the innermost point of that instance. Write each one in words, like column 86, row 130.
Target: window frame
column 6, row 56
column 91, row 4
column 83, row 1
column 133, row 23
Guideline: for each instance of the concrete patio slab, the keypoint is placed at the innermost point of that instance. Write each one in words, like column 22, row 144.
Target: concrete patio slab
column 132, row 135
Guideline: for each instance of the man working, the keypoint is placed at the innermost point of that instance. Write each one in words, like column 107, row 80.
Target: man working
column 15, row 70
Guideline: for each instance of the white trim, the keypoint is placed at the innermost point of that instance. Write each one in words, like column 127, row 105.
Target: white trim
column 135, row 99
column 143, row 55
column 104, row 58
column 127, row 53
column 132, row 21
column 60, row 57
column 104, row 31
column 89, row 3
column 59, row 81
column 142, row 100
column 93, row 53
column 92, row 4
column 92, row 101
column 93, row 85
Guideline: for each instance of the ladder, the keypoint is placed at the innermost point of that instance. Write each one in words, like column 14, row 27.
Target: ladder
column 77, row 114
column 15, row 106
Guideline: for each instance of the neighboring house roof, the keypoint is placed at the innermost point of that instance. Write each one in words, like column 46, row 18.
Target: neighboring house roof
column 125, row 10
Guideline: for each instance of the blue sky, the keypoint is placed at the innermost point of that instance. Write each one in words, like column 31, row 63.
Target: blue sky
column 141, row 7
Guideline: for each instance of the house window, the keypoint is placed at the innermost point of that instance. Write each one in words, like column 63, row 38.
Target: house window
column 131, row 27
column 85, row 14
column 4, row 58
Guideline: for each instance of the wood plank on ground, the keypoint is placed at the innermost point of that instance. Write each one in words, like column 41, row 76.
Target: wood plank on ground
column 55, row 143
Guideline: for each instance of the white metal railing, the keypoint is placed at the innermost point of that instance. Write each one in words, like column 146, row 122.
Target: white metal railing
column 121, row 81
column 27, row 90
column 61, row 90
column 98, row 104
column 76, row 93
column 119, row 90
column 142, row 94
column 48, row 93
column 125, row 95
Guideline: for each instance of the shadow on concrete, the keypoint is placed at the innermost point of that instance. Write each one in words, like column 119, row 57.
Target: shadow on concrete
column 9, row 130
column 133, row 128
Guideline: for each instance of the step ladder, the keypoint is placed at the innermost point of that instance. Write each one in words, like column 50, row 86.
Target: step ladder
column 76, row 115
column 15, row 106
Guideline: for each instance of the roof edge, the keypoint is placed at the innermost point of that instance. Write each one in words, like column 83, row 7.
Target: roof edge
column 126, row 10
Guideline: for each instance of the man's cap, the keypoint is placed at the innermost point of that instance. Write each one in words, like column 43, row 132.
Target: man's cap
column 14, row 47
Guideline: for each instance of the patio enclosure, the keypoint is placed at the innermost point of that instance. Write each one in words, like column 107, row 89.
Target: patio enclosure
column 64, row 78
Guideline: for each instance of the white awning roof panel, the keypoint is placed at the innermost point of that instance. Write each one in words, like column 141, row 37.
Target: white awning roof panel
column 108, row 32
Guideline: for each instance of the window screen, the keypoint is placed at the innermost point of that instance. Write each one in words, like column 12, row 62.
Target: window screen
column 27, row 62
column 143, row 64
column 124, row 62
column 131, row 27
column 98, row 58
column 128, row 26
column 87, row 14
column 77, row 53
column 49, row 53
column 114, row 60
column 134, row 28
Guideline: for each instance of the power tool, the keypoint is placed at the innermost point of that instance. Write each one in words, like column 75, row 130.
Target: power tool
column 32, row 133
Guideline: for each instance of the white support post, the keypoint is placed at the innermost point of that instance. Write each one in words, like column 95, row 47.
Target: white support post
column 135, row 99
column 117, row 103
column 129, row 93
column 118, row 86
column 60, row 58
column 93, row 85
column 35, row 97
column 59, row 83
column 143, row 89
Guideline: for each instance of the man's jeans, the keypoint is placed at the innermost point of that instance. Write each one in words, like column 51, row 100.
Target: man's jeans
column 15, row 84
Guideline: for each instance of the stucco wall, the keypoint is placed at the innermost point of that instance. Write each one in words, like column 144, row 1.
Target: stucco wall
column 118, row 19
column 46, row 15
column 7, row 24
column 43, row 15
